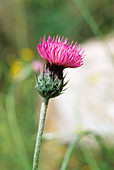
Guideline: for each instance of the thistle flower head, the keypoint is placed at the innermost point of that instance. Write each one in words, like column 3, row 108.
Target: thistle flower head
column 58, row 52
column 58, row 55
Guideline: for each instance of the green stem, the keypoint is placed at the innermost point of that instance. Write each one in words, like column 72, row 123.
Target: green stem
column 89, row 157
column 15, row 130
column 40, row 133
column 92, row 24
column 88, row 18
column 71, row 148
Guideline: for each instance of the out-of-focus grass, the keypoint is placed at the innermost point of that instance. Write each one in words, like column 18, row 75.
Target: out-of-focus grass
column 22, row 24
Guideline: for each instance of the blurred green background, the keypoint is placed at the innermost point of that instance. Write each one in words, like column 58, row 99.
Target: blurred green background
column 22, row 23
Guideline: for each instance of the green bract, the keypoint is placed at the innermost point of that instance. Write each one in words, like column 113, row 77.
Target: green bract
column 49, row 85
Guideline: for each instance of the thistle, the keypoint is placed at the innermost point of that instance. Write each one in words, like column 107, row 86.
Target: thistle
column 58, row 55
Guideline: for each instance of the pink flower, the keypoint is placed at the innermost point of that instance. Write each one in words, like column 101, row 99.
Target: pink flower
column 37, row 65
column 58, row 52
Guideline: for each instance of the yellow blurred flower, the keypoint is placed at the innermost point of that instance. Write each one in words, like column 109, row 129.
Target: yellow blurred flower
column 80, row 130
column 16, row 68
column 93, row 79
column 27, row 54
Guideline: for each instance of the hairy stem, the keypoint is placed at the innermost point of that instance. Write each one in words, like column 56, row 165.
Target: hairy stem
column 40, row 133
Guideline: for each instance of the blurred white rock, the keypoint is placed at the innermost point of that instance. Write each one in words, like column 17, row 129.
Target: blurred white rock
column 88, row 103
